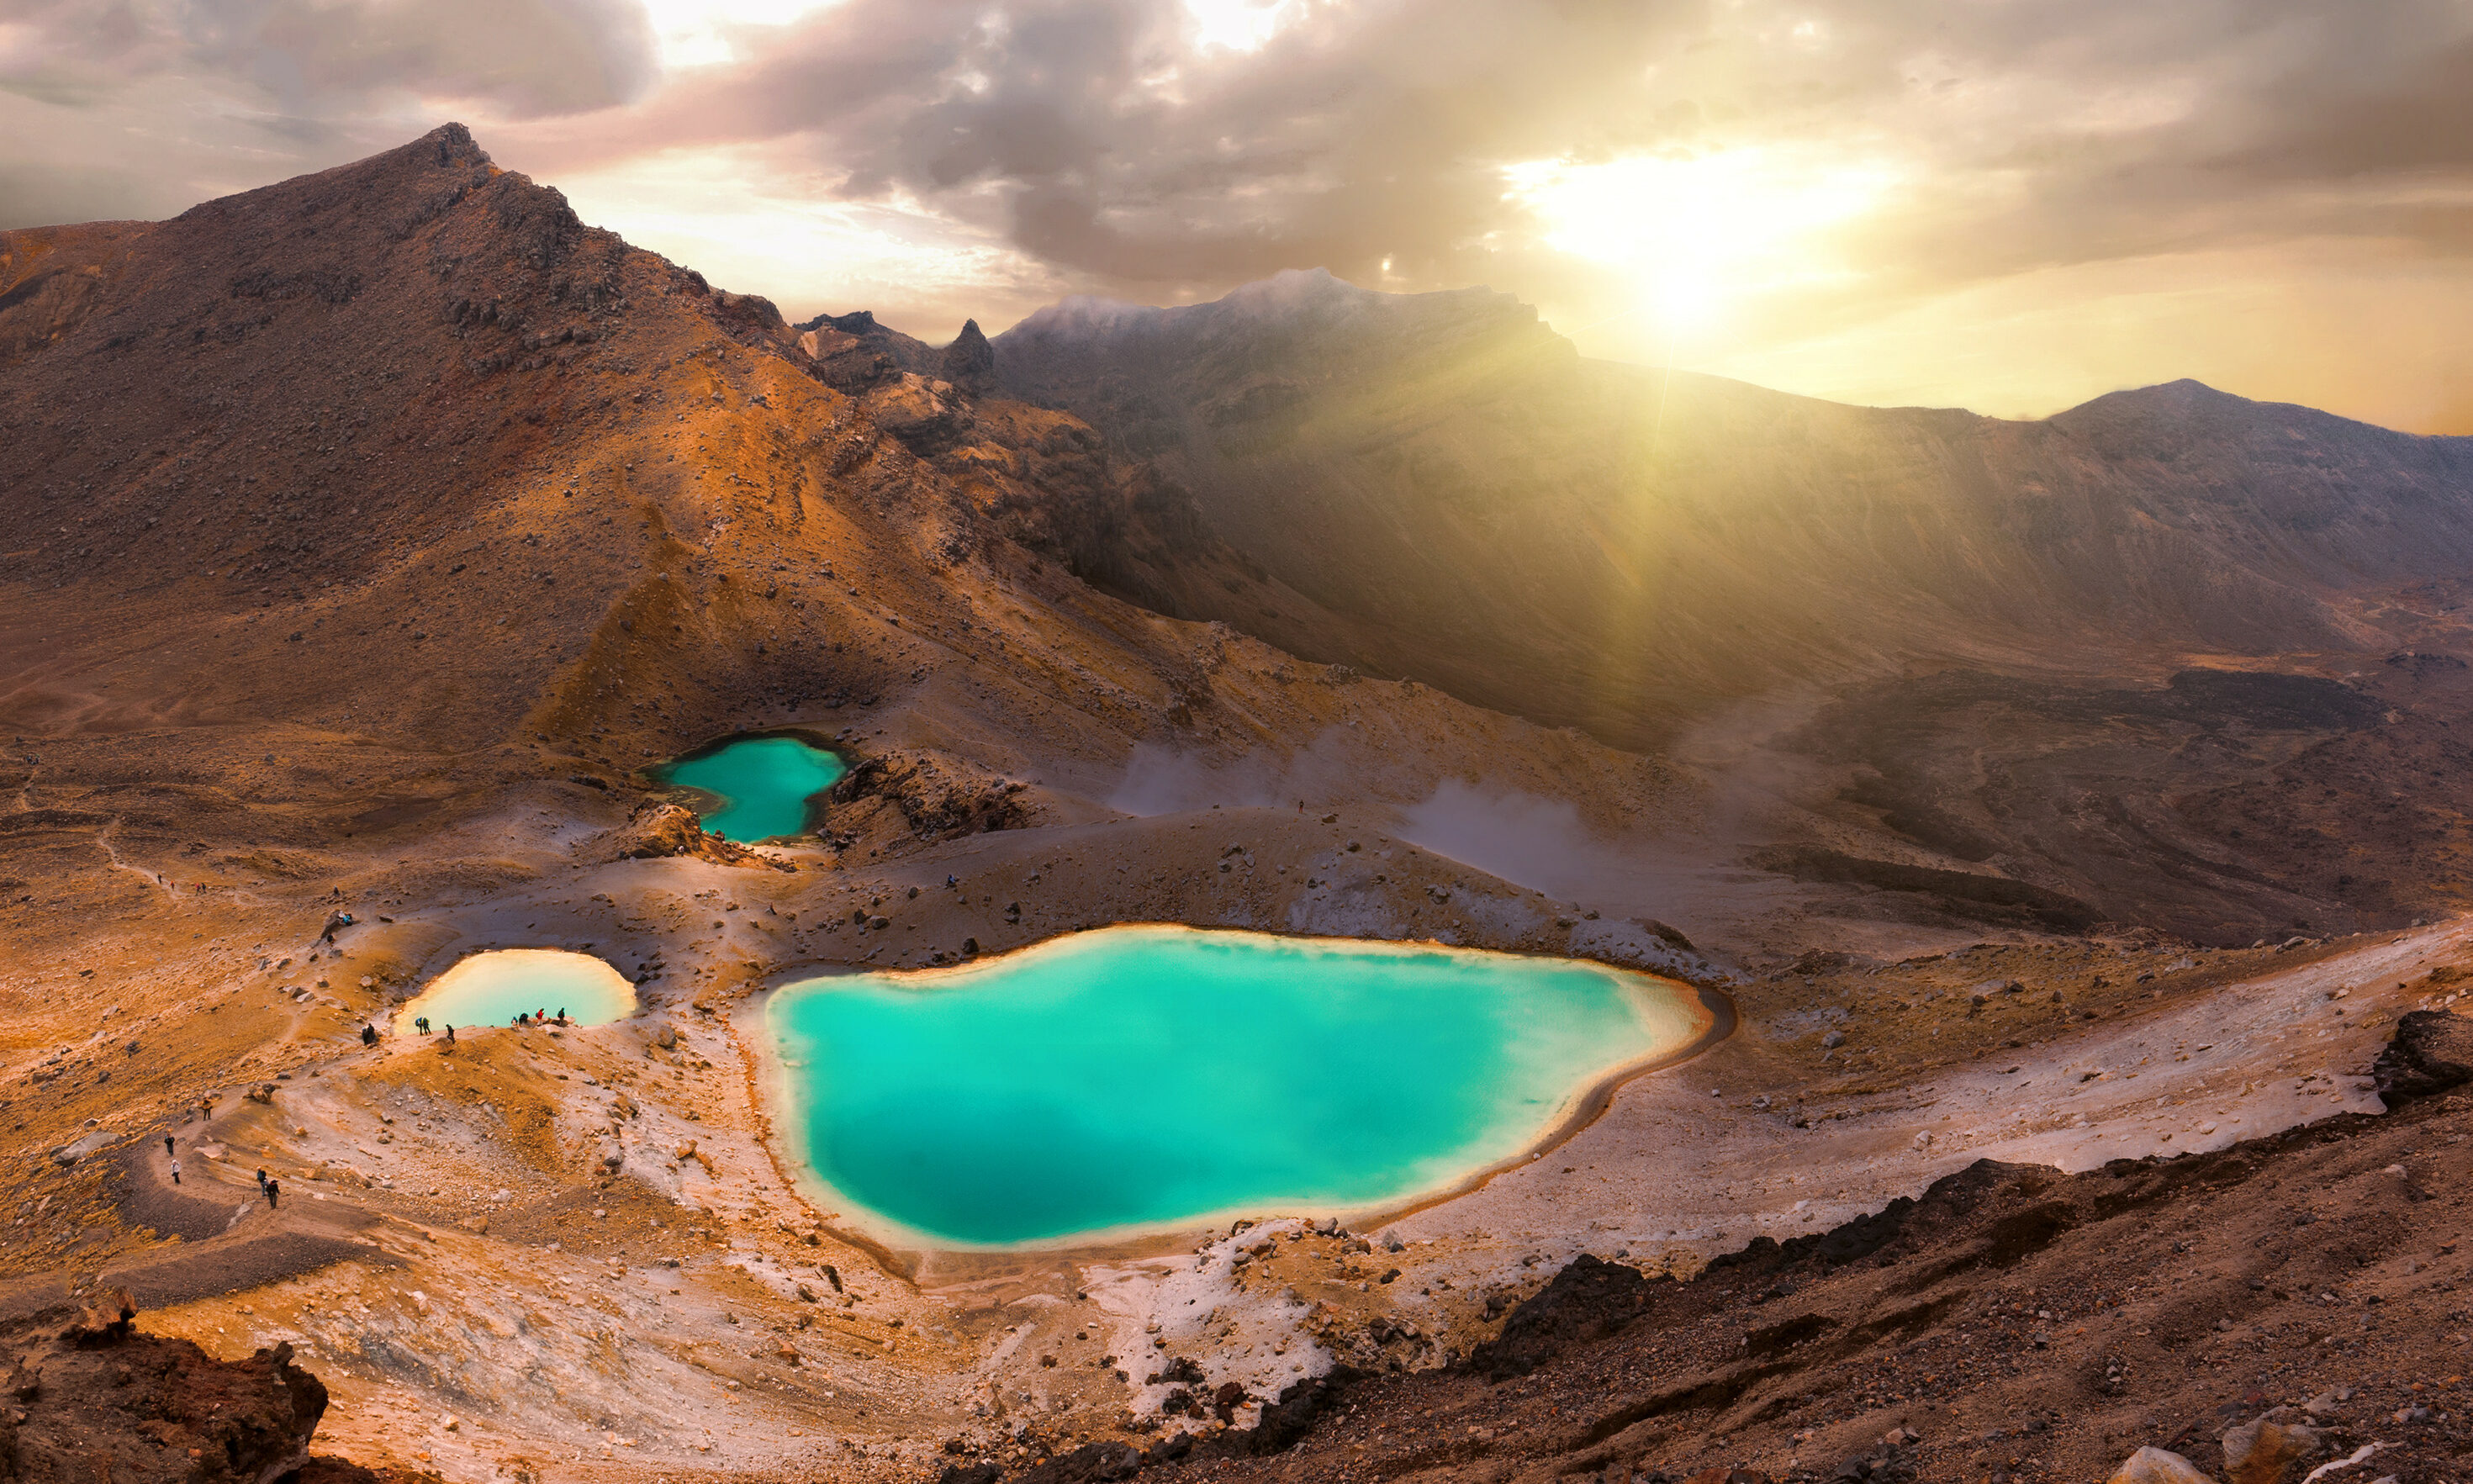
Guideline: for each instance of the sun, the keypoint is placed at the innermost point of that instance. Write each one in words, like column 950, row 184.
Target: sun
column 1698, row 234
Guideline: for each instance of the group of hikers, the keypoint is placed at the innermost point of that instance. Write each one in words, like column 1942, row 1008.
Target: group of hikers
column 273, row 1189
column 268, row 1186
column 420, row 1023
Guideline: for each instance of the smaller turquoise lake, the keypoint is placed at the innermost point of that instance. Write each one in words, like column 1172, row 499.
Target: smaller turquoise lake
column 495, row 987
column 1150, row 1077
column 762, row 786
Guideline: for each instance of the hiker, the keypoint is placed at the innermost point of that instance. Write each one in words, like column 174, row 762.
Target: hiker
column 261, row 1179
column 368, row 1034
column 450, row 1035
column 335, row 923
column 167, row 1144
column 562, row 1014
column 273, row 1189
column 422, row 1023
column 175, row 1172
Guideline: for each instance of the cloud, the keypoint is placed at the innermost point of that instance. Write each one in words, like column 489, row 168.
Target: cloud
column 335, row 61
column 1115, row 144
column 1166, row 150
column 1319, row 775
column 1537, row 842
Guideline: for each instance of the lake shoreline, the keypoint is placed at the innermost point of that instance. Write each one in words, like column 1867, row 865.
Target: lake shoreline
column 1705, row 1018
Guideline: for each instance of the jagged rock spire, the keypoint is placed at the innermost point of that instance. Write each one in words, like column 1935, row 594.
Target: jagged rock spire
column 970, row 362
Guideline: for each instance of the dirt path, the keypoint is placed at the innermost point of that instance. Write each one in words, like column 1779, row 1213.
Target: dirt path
column 223, row 1238
column 111, row 852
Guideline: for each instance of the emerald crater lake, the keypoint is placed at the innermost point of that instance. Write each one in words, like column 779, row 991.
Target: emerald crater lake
column 1149, row 1078
column 761, row 785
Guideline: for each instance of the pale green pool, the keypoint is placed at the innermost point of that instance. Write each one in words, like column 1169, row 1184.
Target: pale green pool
column 493, row 988
column 761, row 785
column 1155, row 1077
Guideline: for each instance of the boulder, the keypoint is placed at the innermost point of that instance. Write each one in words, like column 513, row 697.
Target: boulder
column 108, row 1315
column 2155, row 1466
column 77, row 1149
column 2265, row 1451
column 2432, row 1052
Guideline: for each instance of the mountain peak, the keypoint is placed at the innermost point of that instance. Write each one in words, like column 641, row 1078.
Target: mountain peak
column 452, row 143
column 2186, row 394
column 969, row 362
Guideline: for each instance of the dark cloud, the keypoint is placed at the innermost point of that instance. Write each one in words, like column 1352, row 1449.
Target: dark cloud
column 1108, row 145
column 1112, row 153
column 1111, row 149
column 338, row 59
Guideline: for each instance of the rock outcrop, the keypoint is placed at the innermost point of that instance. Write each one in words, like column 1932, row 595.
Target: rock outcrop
column 2432, row 1052
column 91, row 1399
column 969, row 362
column 1588, row 1300
column 852, row 352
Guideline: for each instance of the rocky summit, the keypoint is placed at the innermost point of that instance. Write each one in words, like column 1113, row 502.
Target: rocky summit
column 2049, row 839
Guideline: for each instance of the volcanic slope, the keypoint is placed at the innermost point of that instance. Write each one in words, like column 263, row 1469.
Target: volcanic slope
column 1620, row 548
column 342, row 505
column 374, row 529
column 415, row 402
column 370, row 530
column 2171, row 658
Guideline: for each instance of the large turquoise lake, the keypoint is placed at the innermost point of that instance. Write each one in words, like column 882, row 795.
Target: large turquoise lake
column 1154, row 1077
column 761, row 785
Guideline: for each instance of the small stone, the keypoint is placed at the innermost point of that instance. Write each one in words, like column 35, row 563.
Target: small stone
column 2155, row 1466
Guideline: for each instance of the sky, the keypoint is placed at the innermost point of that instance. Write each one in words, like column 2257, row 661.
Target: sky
column 2004, row 205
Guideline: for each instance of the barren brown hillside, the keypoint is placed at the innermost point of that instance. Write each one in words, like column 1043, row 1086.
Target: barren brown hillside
column 372, row 534
column 1621, row 548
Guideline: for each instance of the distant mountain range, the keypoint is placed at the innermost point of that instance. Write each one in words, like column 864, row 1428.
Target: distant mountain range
column 1619, row 548
column 404, row 450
